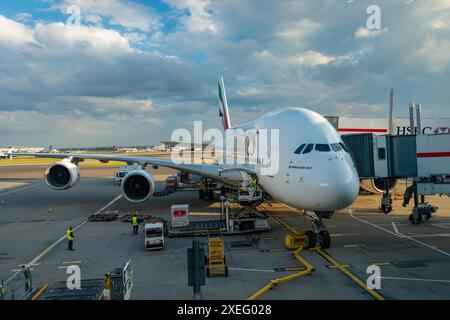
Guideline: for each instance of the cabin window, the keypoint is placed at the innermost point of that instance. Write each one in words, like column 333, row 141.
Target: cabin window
column 336, row 147
column 308, row 148
column 300, row 149
column 323, row 147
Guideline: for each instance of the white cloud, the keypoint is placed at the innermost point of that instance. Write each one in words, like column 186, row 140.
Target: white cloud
column 199, row 18
column 14, row 33
column 362, row 32
column 299, row 29
column 435, row 54
column 127, row 14
column 59, row 35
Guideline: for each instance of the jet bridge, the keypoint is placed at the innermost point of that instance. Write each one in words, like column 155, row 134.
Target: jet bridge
column 424, row 158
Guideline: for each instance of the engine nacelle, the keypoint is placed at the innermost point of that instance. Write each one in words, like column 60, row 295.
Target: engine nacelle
column 62, row 175
column 377, row 185
column 137, row 186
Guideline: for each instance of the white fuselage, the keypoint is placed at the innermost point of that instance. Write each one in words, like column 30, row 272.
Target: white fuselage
column 320, row 180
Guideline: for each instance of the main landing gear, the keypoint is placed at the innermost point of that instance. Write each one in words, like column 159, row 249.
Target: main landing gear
column 320, row 233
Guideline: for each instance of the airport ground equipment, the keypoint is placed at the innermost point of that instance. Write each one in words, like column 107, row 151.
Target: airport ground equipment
column 103, row 217
column 180, row 215
column 171, row 183
column 215, row 260
column 154, row 236
column 122, row 282
column 247, row 220
column 293, row 241
column 117, row 285
column 423, row 158
column 19, row 286
column 196, row 268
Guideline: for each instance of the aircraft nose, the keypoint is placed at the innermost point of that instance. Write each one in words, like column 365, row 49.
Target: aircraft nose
column 341, row 188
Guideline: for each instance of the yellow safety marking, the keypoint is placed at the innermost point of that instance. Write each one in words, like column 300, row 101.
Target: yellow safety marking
column 39, row 293
column 349, row 274
column 64, row 267
column 351, row 246
column 72, row 262
column 15, row 270
column 292, row 229
column 277, row 250
column 273, row 283
column 342, row 265
column 293, row 268
column 267, row 238
column 204, row 214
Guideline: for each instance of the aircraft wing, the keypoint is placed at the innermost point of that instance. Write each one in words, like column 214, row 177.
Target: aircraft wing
column 224, row 173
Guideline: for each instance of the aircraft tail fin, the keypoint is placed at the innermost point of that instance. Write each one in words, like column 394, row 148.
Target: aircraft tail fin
column 223, row 106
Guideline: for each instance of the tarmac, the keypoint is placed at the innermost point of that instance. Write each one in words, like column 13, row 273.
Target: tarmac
column 414, row 259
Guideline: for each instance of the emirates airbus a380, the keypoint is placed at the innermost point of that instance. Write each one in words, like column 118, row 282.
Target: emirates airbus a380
column 315, row 171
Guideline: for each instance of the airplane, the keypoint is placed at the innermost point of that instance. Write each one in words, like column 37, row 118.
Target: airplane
column 316, row 173
column 9, row 154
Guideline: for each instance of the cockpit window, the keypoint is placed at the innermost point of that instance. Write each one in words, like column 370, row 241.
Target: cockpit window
column 300, row 149
column 336, row 147
column 308, row 148
column 323, row 147
column 344, row 146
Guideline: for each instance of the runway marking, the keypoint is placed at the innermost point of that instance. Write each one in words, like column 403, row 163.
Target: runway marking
column 395, row 228
column 431, row 235
column 351, row 246
column 72, row 262
column 380, row 264
column 399, row 234
column 21, row 189
column 257, row 270
column 63, row 237
column 416, row 279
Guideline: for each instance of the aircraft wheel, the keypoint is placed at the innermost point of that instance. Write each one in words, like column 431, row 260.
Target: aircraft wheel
column 324, row 239
column 226, row 271
column 414, row 220
column 311, row 236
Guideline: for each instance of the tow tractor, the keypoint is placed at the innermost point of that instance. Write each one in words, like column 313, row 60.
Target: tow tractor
column 154, row 236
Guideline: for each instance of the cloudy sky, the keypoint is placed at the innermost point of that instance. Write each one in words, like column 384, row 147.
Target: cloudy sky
column 133, row 71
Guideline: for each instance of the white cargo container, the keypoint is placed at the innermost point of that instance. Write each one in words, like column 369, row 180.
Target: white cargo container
column 180, row 215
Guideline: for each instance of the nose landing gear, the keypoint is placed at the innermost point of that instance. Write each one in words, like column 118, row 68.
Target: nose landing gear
column 320, row 232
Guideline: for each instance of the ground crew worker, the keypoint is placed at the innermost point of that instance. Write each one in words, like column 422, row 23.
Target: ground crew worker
column 135, row 223
column 254, row 182
column 70, row 237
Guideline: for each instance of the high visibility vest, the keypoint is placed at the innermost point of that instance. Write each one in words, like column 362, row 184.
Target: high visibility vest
column 135, row 221
column 69, row 235
column 254, row 183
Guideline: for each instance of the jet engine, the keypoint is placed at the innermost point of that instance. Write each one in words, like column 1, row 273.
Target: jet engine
column 377, row 185
column 62, row 175
column 138, row 186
